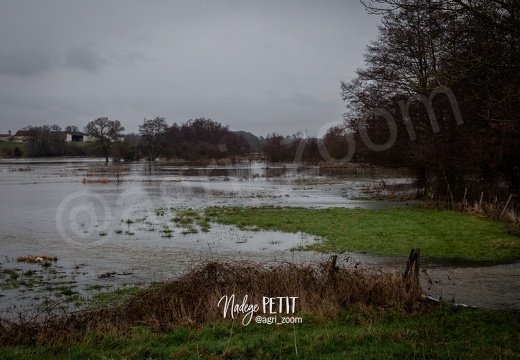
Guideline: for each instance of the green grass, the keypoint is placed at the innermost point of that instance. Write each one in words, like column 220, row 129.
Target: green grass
column 12, row 145
column 439, row 332
column 82, row 144
column 440, row 234
column 191, row 220
column 114, row 296
column 350, row 331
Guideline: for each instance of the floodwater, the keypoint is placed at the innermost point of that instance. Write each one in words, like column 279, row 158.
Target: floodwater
column 111, row 226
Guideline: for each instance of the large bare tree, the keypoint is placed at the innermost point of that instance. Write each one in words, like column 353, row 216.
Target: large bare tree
column 105, row 132
column 471, row 49
column 153, row 136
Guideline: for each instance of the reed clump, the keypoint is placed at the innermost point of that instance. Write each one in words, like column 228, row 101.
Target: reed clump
column 31, row 259
column 323, row 289
column 495, row 211
column 506, row 210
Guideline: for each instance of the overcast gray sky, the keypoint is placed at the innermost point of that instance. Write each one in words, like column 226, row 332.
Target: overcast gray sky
column 259, row 66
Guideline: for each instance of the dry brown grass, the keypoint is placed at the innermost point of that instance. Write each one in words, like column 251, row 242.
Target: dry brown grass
column 322, row 290
column 496, row 211
column 98, row 181
column 108, row 170
column 35, row 259
column 507, row 210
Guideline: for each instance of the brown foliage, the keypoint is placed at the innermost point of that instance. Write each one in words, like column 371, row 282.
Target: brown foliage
column 322, row 289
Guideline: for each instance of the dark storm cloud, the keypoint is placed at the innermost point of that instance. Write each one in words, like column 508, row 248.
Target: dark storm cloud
column 39, row 60
column 85, row 58
column 259, row 65
column 27, row 62
column 128, row 57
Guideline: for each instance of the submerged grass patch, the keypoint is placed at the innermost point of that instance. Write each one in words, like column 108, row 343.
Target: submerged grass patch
column 438, row 233
column 191, row 221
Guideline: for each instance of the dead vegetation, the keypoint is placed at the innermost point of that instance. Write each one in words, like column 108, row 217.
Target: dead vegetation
column 98, row 181
column 36, row 259
column 498, row 211
column 107, row 170
column 322, row 290
column 505, row 211
column 23, row 169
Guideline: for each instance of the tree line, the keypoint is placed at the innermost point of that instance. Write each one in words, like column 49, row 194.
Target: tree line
column 206, row 139
column 439, row 93
column 198, row 139
column 49, row 141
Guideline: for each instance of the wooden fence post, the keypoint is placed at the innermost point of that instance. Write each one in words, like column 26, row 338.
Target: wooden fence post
column 412, row 265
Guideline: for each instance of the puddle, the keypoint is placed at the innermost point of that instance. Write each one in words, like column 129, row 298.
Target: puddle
column 124, row 260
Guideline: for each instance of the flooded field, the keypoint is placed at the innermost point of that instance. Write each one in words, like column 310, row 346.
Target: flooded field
column 114, row 226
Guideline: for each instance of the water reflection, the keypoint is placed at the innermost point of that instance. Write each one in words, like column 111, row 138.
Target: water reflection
column 251, row 170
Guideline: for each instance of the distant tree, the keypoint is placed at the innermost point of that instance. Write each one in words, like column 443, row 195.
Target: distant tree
column 173, row 140
column 274, row 147
column 131, row 147
column 128, row 150
column 235, row 145
column 336, row 142
column 312, row 151
column 153, row 137
column 252, row 140
column 203, row 139
column 17, row 152
column 206, row 130
column 206, row 140
column 44, row 141
column 106, row 132
column 71, row 128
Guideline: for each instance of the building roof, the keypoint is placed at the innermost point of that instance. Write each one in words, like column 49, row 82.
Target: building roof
column 74, row 133
column 23, row 133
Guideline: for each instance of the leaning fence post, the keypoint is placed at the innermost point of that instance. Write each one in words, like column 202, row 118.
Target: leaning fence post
column 505, row 207
column 412, row 264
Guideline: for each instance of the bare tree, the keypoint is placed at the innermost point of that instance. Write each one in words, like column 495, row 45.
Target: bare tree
column 105, row 132
column 44, row 141
column 153, row 136
column 471, row 47
column 71, row 128
column 336, row 143
column 204, row 139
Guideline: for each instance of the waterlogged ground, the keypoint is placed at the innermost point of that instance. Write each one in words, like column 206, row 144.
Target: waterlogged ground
column 117, row 226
